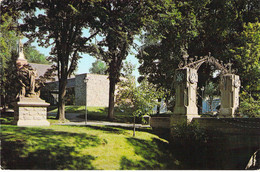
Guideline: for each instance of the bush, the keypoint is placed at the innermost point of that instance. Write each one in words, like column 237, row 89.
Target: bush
column 249, row 107
column 195, row 147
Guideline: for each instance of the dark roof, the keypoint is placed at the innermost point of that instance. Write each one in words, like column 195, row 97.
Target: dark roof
column 42, row 68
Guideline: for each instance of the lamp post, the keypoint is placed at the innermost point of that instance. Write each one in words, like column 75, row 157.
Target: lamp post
column 202, row 90
column 86, row 109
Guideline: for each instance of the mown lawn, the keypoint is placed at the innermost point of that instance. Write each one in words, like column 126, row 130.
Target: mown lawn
column 82, row 148
column 99, row 113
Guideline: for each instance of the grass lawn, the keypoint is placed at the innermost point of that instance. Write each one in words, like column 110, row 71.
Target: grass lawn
column 80, row 147
column 99, row 113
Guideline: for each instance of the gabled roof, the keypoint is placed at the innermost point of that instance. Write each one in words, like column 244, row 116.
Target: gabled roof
column 40, row 68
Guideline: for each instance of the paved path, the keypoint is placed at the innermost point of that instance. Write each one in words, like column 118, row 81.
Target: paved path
column 74, row 120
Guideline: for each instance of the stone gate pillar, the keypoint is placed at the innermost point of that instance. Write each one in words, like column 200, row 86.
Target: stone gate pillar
column 185, row 94
column 229, row 87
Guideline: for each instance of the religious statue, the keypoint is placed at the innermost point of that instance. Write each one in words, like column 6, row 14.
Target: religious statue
column 26, row 77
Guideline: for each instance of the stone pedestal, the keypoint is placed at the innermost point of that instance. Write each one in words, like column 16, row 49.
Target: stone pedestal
column 186, row 94
column 229, row 87
column 31, row 112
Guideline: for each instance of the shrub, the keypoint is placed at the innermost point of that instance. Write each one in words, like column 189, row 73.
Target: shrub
column 248, row 106
column 194, row 146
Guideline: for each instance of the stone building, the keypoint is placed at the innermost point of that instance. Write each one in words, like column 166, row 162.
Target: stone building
column 95, row 91
column 93, row 88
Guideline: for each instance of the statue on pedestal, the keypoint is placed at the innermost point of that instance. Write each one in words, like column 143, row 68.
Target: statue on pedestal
column 26, row 77
column 30, row 109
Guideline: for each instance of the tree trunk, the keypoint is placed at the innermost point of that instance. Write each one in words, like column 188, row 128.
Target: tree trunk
column 134, row 127
column 3, row 103
column 61, row 99
column 112, row 86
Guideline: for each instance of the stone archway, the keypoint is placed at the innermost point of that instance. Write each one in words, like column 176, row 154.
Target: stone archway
column 186, row 78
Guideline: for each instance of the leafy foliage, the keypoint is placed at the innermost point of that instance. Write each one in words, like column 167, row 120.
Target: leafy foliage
column 248, row 106
column 98, row 67
column 8, row 39
column 197, row 148
column 168, row 34
column 11, row 86
column 247, row 58
column 141, row 99
column 34, row 56
column 8, row 46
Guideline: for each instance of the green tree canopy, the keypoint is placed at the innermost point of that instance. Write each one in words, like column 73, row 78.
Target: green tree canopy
column 246, row 56
column 140, row 99
column 98, row 67
column 34, row 56
column 8, row 46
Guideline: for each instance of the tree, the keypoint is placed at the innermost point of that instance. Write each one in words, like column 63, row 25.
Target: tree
column 8, row 46
column 34, row 56
column 127, row 70
column 60, row 25
column 140, row 100
column 122, row 20
column 166, row 39
column 247, row 60
column 98, row 67
column 246, row 56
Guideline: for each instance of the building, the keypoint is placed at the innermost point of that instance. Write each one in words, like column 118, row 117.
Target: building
column 82, row 88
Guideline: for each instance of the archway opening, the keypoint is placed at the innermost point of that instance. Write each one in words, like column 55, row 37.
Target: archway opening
column 208, row 91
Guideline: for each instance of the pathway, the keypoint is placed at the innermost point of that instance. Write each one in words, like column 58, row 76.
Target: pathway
column 74, row 120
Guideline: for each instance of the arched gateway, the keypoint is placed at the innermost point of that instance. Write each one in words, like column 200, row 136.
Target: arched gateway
column 186, row 78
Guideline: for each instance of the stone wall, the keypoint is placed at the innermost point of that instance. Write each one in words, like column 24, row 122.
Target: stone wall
column 80, row 90
column 97, row 90
column 235, row 139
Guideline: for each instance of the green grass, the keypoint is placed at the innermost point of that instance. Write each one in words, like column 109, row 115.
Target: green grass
column 80, row 147
column 99, row 113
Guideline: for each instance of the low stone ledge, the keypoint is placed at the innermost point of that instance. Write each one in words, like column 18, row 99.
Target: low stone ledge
column 231, row 125
column 160, row 122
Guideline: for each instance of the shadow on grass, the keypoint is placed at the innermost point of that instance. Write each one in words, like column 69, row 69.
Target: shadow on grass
column 7, row 118
column 155, row 154
column 44, row 149
column 108, row 129
column 118, row 129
